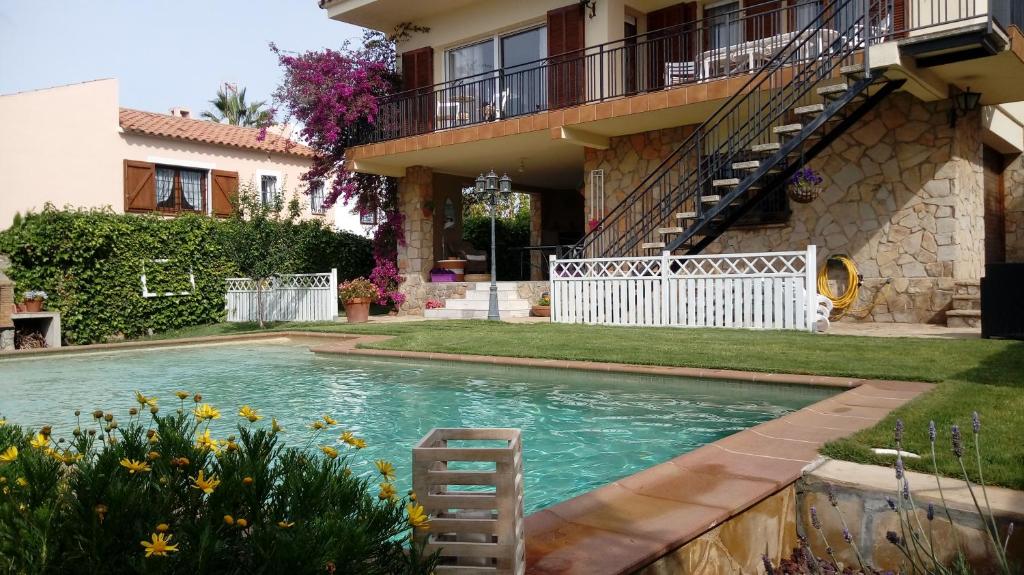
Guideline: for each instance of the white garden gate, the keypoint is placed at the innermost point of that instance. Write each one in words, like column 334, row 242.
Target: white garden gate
column 775, row 290
column 296, row 297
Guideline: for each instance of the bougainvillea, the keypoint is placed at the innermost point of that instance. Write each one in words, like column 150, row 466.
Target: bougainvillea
column 334, row 96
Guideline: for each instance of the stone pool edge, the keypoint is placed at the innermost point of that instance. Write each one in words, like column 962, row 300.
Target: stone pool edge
column 630, row 524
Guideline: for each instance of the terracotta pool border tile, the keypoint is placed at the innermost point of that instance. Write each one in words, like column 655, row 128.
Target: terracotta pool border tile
column 578, row 536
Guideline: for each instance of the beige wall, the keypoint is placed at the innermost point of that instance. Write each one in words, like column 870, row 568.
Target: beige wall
column 64, row 146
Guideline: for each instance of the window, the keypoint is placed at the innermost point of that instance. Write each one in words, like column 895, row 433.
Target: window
column 316, row 197
column 268, row 189
column 806, row 13
column 180, row 189
column 471, row 60
column 724, row 21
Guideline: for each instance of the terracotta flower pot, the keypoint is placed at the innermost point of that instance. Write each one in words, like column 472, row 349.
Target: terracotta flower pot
column 34, row 305
column 541, row 310
column 357, row 310
column 19, row 308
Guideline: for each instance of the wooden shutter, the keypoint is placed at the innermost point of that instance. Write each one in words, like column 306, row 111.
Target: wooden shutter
column 566, row 72
column 139, row 186
column 763, row 20
column 417, row 111
column 899, row 18
column 225, row 190
column 675, row 45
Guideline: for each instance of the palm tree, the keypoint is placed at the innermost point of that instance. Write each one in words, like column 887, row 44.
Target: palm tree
column 230, row 107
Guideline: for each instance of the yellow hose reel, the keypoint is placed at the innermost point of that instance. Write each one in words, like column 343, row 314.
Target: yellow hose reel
column 842, row 303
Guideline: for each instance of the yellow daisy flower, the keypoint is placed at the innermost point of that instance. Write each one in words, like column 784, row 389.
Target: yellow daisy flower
column 160, row 545
column 182, row 395
column 249, row 413
column 347, row 437
column 21, row 482
column 144, row 401
column 134, row 466
column 204, row 441
column 206, row 412
column 229, row 520
column 163, row 528
column 317, row 425
column 330, row 420
column 417, row 516
column 385, row 469
column 329, row 451
column 387, row 492
column 359, row 443
column 275, row 427
column 39, row 441
column 9, row 454
column 205, row 484
column 285, row 524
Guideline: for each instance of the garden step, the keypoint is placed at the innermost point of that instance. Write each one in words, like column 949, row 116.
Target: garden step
column 967, row 302
column 502, row 286
column 671, row 230
column 810, row 109
column 473, row 304
column 484, row 295
column 963, row 318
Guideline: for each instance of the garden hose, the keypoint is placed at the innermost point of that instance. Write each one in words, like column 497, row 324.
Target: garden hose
column 843, row 302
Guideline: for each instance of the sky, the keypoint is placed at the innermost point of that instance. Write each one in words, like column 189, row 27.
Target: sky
column 164, row 53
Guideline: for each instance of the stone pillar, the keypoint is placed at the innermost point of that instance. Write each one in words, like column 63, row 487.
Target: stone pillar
column 416, row 257
column 537, row 259
column 968, row 188
column 6, row 309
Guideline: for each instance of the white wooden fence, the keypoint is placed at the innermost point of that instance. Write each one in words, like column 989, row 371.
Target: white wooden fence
column 298, row 297
column 775, row 290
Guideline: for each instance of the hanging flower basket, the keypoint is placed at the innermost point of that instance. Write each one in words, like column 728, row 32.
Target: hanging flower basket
column 805, row 186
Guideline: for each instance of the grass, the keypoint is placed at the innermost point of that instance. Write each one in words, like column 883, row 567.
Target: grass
column 973, row 375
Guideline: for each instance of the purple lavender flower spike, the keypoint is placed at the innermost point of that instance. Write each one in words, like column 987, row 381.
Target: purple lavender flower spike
column 898, row 432
column 899, row 467
column 906, row 489
column 931, row 512
column 832, row 496
column 958, row 444
column 931, row 431
column 975, row 422
column 815, row 522
column 846, row 535
column 891, row 502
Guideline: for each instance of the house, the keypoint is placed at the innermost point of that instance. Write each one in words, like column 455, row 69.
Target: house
column 639, row 126
column 74, row 146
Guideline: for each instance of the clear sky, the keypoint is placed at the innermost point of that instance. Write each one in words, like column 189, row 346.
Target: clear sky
column 164, row 52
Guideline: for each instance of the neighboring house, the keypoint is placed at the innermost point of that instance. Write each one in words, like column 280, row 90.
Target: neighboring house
column 74, row 146
column 595, row 109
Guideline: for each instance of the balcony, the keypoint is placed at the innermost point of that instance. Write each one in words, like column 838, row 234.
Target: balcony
column 697, row 52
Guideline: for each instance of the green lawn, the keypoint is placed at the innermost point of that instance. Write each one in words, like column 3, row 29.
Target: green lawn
column 981, row 375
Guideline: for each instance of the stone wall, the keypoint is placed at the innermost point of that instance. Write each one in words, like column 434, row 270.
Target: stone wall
column 527, row 290
column 416, row 258
column 903, row 197
column 1013, row 184
column 6, row 309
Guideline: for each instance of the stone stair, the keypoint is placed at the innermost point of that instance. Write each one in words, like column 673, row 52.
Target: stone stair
column 474, row 304
column 966, row 310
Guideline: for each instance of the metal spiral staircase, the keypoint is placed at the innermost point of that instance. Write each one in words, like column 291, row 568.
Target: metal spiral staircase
column 812, row 90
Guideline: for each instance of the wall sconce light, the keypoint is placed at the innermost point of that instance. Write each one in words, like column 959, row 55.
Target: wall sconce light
column 963, row 102
column 592, row 4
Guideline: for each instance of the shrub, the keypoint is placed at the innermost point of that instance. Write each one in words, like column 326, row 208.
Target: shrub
column 510, row 232
column 158, row 494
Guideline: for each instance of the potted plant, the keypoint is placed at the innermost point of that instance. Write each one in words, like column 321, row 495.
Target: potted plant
column 805, row 186
column 442, row 275
column 34, row 300
column 543, row 307
column 356, row 296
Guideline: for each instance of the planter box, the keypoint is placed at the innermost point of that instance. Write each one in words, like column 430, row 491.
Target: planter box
column 442, row 277
column 458, row 267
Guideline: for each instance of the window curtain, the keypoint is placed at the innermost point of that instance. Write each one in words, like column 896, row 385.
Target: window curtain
column 164, row 188
column 726, row 29
column 316, row 198
column 191, row 190
column 268, row 189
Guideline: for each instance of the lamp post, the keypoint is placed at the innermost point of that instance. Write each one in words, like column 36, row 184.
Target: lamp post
column 487, row 188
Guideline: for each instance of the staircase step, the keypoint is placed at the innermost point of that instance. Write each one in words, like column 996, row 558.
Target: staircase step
column 710, row 199
column 769, row 147
column 652, row 245
column 686, row 216
column 787, row 129
column 852, row 70
column 833, row 90
column 502, row 286
column 810, row 109
column 446, row 313
column 725, row 183
column 751, row 165
column 485, row 295
column 963, row 318
column 672, row 230
column 966, row 302
column 503, row 305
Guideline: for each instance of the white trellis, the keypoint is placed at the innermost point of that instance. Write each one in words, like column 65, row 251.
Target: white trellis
column 296, row 297
column 774, row 290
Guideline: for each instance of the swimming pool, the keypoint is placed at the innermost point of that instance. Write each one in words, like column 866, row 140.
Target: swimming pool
column 580, row 429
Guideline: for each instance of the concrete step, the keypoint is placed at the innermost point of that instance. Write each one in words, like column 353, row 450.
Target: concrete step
column 833, row 90
column 686, row 216
column 710, row 199
column 485, row 294
column 787, row 129
column 769, row 147
column 852, row 70
column 472, row 304
column 967, row 287
column 963, row 318
column 485, row 286
column 652, row 245
column 751, row 165
column 447, row 313
column 671, row 230
column 725, row 183
column 967, row 302
column 809, row 109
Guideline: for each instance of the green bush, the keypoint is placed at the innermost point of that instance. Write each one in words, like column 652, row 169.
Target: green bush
column 89, row 262
column 159, row 495
column 510, row 232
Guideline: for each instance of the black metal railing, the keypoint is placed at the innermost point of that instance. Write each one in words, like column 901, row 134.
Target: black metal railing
column 726, row 45
column 904, row 16
column 834, row 37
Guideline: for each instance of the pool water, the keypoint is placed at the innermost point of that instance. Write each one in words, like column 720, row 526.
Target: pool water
column 580, row 429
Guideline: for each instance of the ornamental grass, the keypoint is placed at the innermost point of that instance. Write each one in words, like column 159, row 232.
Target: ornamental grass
column 159, row 494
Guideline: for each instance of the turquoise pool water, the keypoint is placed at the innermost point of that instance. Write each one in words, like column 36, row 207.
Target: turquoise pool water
column 580, row 429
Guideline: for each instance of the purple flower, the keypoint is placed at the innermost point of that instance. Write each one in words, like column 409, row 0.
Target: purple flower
column 815, row 522
column 906, row 489
column 898, row 432
column 931, row 512
column 899, row 467
column 846, row 535
column 931, row 431
column 958, row 445
column 768, row 569
column 975, row 422
column 893, row 537
column 890, row 502
column 832, row 495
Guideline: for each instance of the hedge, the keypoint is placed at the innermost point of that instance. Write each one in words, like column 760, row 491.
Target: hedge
column 89, row 262
column 509, row 233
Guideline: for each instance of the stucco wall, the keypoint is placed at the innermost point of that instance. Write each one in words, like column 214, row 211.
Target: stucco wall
column 903, row 197
column 64, row 146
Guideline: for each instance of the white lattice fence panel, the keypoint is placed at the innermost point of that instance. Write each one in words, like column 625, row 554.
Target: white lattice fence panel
column 761, row 291
column 297, row 297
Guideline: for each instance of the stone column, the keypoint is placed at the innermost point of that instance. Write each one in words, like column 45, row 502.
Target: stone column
column 6, row 309
column 416, row 257
column 537, row 259
column 968, row 188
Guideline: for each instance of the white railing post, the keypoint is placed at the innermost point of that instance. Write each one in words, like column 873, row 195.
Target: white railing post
column 334, row 294
column 556, row 301
column 811, row 292
column 665, row 279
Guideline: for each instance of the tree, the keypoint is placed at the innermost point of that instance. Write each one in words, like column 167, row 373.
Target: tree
column 230, row 106
column 258, row 237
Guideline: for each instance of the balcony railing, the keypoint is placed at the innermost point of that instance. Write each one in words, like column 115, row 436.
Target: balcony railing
column 722, row 46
